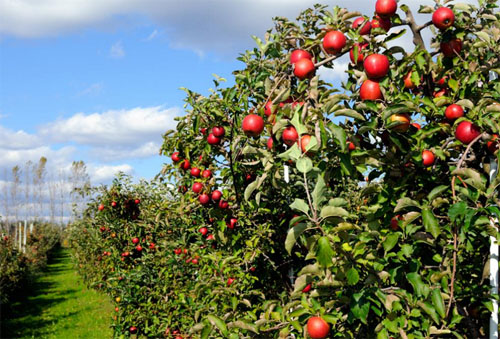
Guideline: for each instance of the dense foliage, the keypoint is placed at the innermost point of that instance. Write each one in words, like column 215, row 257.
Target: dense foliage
column 18, row 268
column 338, row 204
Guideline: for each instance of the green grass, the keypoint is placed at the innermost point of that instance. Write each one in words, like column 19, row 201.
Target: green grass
column 58, row 305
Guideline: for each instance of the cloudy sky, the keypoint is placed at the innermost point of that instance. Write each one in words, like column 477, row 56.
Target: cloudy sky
column 98, row 80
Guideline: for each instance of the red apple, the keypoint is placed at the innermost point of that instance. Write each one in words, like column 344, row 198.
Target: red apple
column 177, row 251
column 114, row 204
column 370, row 90
column 386, row 8
column 204, row 199
column 138, row 248
column 270, row 143
column 194, row 261
column 290, row 135
column 101, row 207
column 307, row 288
column 442, row 82
column 218, row 131
column 197, row 187
column 152, row 245
column 317, row 328
column 404, row 120
column 361, row 57
column 453, row 112
column 195, row 172
column 203, row 130
column 206, row 174
column 443, row 18
column 440, row 93
column 492, row 145
column 299, row 54
column 334, row 42
column 216, row 195
column 212, row 139
column 407, row 80
column 135, row 241
column 230, row 281
column 466, row 132
column 133, row 329
column 210, row 237
column 203, row 231
column 185, row 165
column 395, row 222
column 378, row 22
column 232, row 223
column 175, row 157
column 304, row 141
column 376, row 66
column 451, row 48
column 137, row 201
column 268, row 109
column 351, row 146
column 223, row 204
column 428, row 158
column 304, row 68
column 253, row 125
column 366, row 28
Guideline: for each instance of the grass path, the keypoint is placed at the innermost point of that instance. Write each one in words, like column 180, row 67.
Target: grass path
column 58, row 306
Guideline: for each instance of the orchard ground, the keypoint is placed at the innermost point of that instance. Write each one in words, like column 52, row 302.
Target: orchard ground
column 58, row 305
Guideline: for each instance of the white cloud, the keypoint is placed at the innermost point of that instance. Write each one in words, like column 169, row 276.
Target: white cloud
column 117, row 51
column 114, row 127
column 221, row 26
column 13, row 157
column 335, row 74
column 103, row 173
column 15, row 140
column 111, row 153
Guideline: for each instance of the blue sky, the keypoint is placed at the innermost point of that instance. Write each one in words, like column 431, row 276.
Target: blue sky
column 98, row 80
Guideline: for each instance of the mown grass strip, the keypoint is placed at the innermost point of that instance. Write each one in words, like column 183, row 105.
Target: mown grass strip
column 58, row 305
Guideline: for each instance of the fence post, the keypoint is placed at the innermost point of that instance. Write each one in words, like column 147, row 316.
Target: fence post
column 25, row 231
column 494, row 251
column 20, row 230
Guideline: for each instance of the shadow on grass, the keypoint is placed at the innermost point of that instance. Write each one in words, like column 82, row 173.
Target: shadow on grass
column 24, row 316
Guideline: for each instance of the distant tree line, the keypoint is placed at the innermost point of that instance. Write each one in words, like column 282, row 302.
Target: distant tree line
column 37, row 192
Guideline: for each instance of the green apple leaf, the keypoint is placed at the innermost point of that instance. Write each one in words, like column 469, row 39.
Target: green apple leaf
column 431, row 223
column 292, row 236
column 324, row 252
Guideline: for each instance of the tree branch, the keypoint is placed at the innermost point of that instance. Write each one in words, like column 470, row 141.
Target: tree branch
column 417, row 37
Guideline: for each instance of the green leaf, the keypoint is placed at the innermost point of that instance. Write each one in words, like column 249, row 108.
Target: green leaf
column 390, row 241
column 352, row 276
column 350, row 113
column 404, row 203
column 436, row 192
column 324, row 252
column 430, row 310
column 456, row 210
column 300, row 205
column 331, row 211
column 318, row 194
column 437, row 301
column 304, row 165
column 244, row 325
column 292, row 236
column 340, row 135
column 249, row 189
column 420, row 288
column 360, row 307
column 206, row 331
column 431, row 223
column 474, row 177
column 219, row 323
